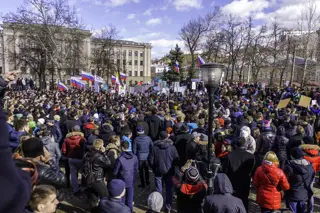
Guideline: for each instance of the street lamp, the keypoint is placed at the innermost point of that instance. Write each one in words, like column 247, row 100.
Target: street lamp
column 211, row 75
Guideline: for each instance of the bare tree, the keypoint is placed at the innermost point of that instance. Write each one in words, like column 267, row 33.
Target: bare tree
column 103, row 55
column 308, row 23
column 194, row 31
column 42, row 23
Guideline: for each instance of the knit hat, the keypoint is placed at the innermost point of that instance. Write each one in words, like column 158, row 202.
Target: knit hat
column 76, row 128
column 163, row 135
column 192, row 174
column 32, row 148
column 296, row 153
column 266, row 124
column 184, row 128
column 56, row 118
column 155, row 201
column 116, row 187
column 140, row 130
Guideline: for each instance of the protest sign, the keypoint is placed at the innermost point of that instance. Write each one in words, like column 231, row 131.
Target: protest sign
column 304, row 101
column 283, row 103
column 194, row 85
column 314, row 102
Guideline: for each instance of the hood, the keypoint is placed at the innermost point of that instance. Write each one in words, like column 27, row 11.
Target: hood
column 310, row 149
column 163, row 144
column 112, row 146
column 245, row 132
column 222, row 184
column 127, row 155
column 74, row 135
column 300, row 166
column 46, row 140
column 189, row 189
column 281, row 131
column 106, row 128
column 89, row 126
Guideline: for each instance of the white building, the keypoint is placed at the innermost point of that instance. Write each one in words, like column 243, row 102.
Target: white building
column 158, row 69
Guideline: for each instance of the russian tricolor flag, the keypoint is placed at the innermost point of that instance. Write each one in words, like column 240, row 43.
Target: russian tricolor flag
column 123, row 76
column 77, row 82
column 87, row 76
column 200, row 61
column 176, row 67
column 113, row 79
column 61, row 86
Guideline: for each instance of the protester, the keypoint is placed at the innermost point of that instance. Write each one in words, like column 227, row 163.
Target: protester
column 53, row 148
column 43, row 199
column 155, row 202
column 280, row 146
column 155, row 125
column 269, row 180
column 162, row 159
column 142, row 147
column 300, row 175
column 113, row 203
column 238, row 166
column 125, row 168
column 222, row 199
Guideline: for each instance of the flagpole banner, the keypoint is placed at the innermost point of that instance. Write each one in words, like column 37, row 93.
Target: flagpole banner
column 304, row 101
column 283, row 103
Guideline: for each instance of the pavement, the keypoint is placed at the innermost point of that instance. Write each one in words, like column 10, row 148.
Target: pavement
column 72, row 204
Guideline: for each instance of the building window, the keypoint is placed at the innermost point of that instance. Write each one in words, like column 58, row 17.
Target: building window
column 141, row 63
column 130, row 73
column 130, row 52
column 141, row 54
column 118, row 61
column 124, row 53
column 136, row 62
column 141, row 73
column 130, row 62
column 0, row 70
column 136, row 53
column 124, row 62
column 136, row 73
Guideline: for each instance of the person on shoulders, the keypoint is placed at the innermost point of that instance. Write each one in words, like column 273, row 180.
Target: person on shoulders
column 222, row 199
column 113, row 203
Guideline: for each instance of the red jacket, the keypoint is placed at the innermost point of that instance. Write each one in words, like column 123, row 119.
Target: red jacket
column 268, row 195
column 73, row 146
column 312, row 156
column 91, row 126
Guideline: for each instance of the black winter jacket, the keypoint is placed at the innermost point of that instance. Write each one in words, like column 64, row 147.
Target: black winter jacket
column 100, row 163
column 281, row 142
column 267, row 139
column 163, row 157
column 294, row 141
column 222, row 200
column 142, row 146
column 297, row 171
column 181, row 143
column 155, row 126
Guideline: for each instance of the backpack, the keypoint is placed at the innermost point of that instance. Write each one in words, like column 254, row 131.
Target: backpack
column 87, row 171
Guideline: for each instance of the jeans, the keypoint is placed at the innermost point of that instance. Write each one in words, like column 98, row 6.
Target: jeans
column 128, row 198
column 168, row 182
column 75, row 165
column 144, row 172
column 296, row 206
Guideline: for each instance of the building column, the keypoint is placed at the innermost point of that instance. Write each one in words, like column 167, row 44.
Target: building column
column 145, row 61
column 132, row 62
column 139, row 63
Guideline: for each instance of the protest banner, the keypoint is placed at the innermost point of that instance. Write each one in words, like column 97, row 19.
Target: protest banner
column 194, row 85
column 314, row 102
column 304, row 101
column 283, row 103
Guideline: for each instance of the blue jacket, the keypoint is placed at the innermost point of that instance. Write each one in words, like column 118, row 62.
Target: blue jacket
column 142, row 146
column 125, row 138
column 14, row 139
column 126, row 167
column 112, row 205
column 163, row 157
column 297, row 171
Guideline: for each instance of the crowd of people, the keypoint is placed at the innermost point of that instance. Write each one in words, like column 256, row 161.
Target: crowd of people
column 110, row 140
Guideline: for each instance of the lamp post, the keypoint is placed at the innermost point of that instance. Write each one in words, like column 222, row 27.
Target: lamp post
column 211, row 75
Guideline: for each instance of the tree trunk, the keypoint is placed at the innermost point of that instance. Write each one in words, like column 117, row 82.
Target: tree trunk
column 232, row 72
column 293, row 65
column 304, row 72
column 192, row 65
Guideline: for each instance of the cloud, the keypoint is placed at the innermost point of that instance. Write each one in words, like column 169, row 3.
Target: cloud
column 97, row 2
column 116, row 3
column 148, row 12
column 161, row 47
column 146, row 36
column 137, row 22
column 244, row 8
column 131, row 16
column 185, row 5
column 153, row 22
